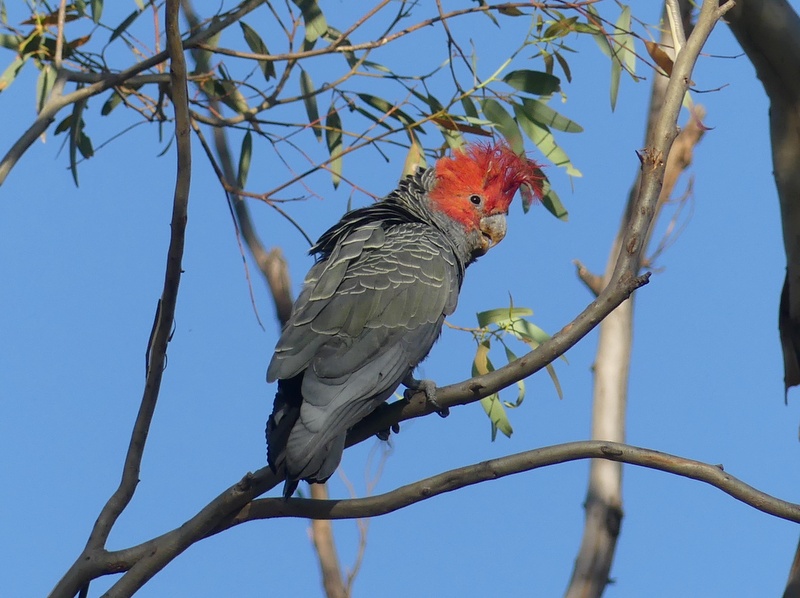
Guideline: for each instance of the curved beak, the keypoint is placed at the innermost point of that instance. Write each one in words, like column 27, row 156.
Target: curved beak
column 493, row 229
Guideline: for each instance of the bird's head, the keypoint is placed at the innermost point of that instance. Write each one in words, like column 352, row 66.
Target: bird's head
column 475, row 186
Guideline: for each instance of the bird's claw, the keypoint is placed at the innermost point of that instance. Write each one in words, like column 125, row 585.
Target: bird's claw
column 429, row 388
column 387, row 432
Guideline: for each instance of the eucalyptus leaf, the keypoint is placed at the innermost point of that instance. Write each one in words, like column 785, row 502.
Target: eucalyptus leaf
column 310, row 102
column 333, row 138
column 245, row 157
column 257, row 46
column 504, row 123
column 533, row 82
column 502, row 315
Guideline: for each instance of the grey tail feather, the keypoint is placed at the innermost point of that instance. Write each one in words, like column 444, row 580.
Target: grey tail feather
column 285, row 412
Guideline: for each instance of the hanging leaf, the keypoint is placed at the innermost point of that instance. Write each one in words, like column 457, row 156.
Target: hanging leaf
column 10, row 41
column 469, row 107
column 245, row 157
column 333, row 137
column 96, row 7
column 122, row 27
column 628, row 51
column 77, row 139
column 504, row 124
column 564, row 66
column 332, row 35
column 544, row 140
column 535, row 82
column 227, row 92
column 660, row 57
column 415, row 158
column 491, row 404
column 310, row 102
column 560, row 28
column 116, row 97
column 44, row 83
column 618, row 51
column 316, row 25
column 552, row 204
column 510, row 356
column 257, row 46
column 542, row 113
column 502, row 315
column 388, row 108
column 11, row 72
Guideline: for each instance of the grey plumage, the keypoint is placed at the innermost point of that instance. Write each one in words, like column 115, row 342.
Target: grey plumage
column 370, row 310
column 373, row 304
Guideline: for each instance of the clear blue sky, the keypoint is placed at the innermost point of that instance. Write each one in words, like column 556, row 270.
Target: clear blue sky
column 82, row 270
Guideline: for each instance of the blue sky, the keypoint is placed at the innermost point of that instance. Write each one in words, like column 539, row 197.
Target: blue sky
column 82, row 270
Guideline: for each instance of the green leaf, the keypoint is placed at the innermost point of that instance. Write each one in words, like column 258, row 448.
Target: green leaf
column 454, row 139
column 383, row 106
column 510, row 356
column 114, row 100
column 245, row 157
column 469, row 107
column 498, row 416
column 11, row 72
column 535, row 82
column 76, row 136
column 544, row 140
column 333, row 137
column 552, row 204
column 228, row 93
column 564, row 66
column 310, row 101
column 528, row 332
column 64, row 125
column 44, row 83
column 502, row 315
column 628, row 48
column 331, row 35
column 560, row 28
column 316, row 25
column 120, row 29
column 622, row 27
column 257, row 46
column 97, row 10
column 10, row 41
column 504, row 123
column 552, row 371
column 542, row 113
column 491, row 404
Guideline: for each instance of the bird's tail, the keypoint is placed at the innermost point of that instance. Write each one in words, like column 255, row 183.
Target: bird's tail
column 285, row 413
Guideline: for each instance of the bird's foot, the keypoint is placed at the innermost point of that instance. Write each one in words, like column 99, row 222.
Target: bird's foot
column 429, row 388
column 386, row 432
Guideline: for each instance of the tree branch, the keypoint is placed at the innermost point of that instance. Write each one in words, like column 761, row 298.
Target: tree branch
column 769, row 33
column 611, row 369
column 455, row 479
column 162, row 327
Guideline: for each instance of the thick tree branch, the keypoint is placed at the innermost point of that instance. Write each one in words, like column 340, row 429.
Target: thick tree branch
column 769, row 33
column 322, row 536
column 603, row 502
column 162, row 327
column 462, row 477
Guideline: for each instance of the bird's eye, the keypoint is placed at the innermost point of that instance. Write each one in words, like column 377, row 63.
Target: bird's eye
column 475, row 200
